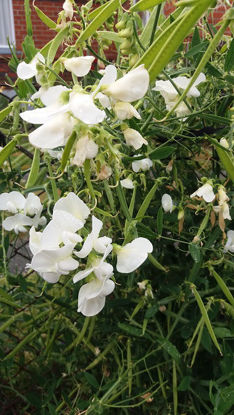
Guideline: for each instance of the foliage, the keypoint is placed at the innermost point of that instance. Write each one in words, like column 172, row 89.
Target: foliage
column 163, row 344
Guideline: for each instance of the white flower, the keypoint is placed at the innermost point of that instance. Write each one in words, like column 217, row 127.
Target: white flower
column 125, row 111
column 104, row 100
column 127, row 183
column 28, row 70
column 52, row 263
column 167, row 203
column 93, row 241
column 68, row 9
column 171, row 96
column 168, row 91
column 134, row 138
column 80, row 66
column 130, row 87
column 83, row 108
column 223, row 208
column 205, row 191
column 17, row 223
column 132, row 255
column 12, row 202
column 99, row 267
column 92, row 296
column 85, row 149
column 54, row 133
column 71, row 209
column 32, row 205
column 230, row 242
column 143, row 164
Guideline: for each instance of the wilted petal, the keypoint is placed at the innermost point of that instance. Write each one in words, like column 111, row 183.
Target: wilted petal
column 205, row 191
column 132, row 255
column 68, row 9
column 83, row 108
column 80, row 66
column 130, row 87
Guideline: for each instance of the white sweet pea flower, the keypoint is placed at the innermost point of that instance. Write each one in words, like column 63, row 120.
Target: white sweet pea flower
column 230, row 242
column 12, row 202
column 54, row 133
column 206, row 192
column 83, row 108
column 130, row 87
column 94, row 242
column 85, row 149
column 71, row 209
column 28, row 70
column 132, row 255
column 52, row 263
column 68, row 9
column 99, row 267
column 167, row 203
column 125, row 111
column 17, row 223
column 92, row 296
column 32, row 205
column 80, row 66
column 171, row 96
column 143, row 164
column 134, row 138
column 127, row 183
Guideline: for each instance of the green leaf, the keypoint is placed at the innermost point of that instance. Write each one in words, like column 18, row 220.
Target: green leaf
column 146, row 202
column 67, row 150
column 7, row 150
column 185, row 383
column 45, row 19
column 226, row 161
column 133, row 331
column 160, row 220
column 229, row 61
column 195, row 252
column 201, row 47
column 7, row 299
column 29, row 47
column 170, row 349
column 196, row 37
column 161, row 152
column 224, row 401
column 222, row 332
column 61, row 35
column 5, row 112
column 91, row 380
column 99, row 19
column 110, row 36
column 151, row 311
column 142, row 5
column 33, row 175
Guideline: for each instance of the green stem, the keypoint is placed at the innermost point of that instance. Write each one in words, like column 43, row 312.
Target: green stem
column 52, row 181
column 88, row 179
column 155, row 24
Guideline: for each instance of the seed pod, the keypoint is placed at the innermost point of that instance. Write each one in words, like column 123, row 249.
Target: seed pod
column 126, row 32
column 125, row 45
column 133, row 59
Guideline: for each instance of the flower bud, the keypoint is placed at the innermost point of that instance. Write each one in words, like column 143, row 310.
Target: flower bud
column 125, row 111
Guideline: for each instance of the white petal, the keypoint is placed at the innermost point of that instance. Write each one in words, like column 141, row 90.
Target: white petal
column 32, row 205
column 17, row 223
column 109, row 76
column 230, row 242
column 130, row 87
column 80, row 66
column 85, row 110
column 104, row 100
column 51, row 95
column 51, row 277
column 35, row 241
column 205, row 191
column 12, row 202
column 89, row 307
column 226, row 213
column 82, row 274
column 43, row 115
column 74, row 205
column 68, row 9
column 132, row 255
column 125, row 111
column 54, row 133
column 89, row 242
column 100, row 244
column 69, row 222
column 25, row 70
column 67, row 265
column 134, row 138
column 127, row 183
column 167, row 203
column 85, row 149
column 48, row 260
column 103, row 270
column 143, row 165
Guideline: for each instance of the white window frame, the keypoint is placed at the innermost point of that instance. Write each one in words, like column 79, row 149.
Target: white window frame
column 7, row 29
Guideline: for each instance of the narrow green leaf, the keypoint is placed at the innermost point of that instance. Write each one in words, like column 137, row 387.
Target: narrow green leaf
column 160, row 220
column 226, row 161
column 195, row 252
column 155, row 263
column 61, row 35
column 10, row 321
column 67, row 150
column 222, row 285
column 109, row 36
column 7, row 150
column 28, row 19
column 206, row 317
column 142, row 5
column 170, row 349
column 201, row 47
column 229, row 61
column 99, row 19
column 45, row 19
column 161, row 152
column 29, row 48
column 91, row 380
column 19, row 346
column 5, row 112
column 33, row 175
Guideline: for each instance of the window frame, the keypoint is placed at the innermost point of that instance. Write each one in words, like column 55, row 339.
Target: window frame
column 8, row 11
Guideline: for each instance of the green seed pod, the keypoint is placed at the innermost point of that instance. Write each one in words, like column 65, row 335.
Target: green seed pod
column 133, row 59
column 122, row 23
column 126, row 32
column 125, row 45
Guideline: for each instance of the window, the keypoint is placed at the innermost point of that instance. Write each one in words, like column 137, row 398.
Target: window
column 7, row 29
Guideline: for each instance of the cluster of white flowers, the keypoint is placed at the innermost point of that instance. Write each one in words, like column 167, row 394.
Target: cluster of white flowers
column 53, row 252
column 64, row 108
column 26, row 211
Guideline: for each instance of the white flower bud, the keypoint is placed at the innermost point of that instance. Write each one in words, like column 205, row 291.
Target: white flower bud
column 134, row 138
column 125, row 111
column 167, row 203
